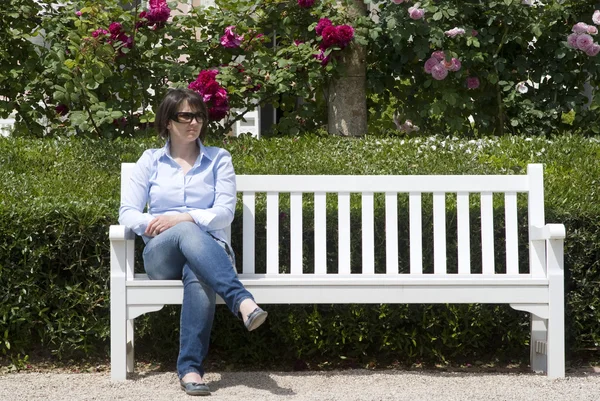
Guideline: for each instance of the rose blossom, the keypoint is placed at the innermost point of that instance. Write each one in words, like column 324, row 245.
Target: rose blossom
column 580, row 27
column 472, row 82
column 416, row 13
column 115, row 28
column 596, row 17
column 345, row 34
column 78, row 13
column 454, row 32
column 572, row 40
column 322, row 24
column 99, row 32
column 438, row 72
column 592, row 30
column 439, row 55
column 522, row 88
column 455, row 65
column 474, row 32
column 230, row 39
column 593, row 50
column 306, row 3
column 584, row 42
column 429, row 64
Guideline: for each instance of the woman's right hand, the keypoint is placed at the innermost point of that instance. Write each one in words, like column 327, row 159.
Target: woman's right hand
column 162, row 223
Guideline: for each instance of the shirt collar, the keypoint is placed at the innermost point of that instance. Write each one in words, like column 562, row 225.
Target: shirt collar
column 166, row 150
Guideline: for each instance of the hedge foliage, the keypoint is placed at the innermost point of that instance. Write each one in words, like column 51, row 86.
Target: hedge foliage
column 58, row 197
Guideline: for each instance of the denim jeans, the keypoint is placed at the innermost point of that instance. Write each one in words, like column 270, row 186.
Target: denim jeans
column 204, row 265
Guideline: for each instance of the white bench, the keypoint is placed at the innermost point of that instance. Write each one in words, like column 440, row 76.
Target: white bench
column 540, row 291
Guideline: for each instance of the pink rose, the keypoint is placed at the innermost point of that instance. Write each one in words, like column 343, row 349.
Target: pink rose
column 580, row 27
column 472, row 82
column 584, row 42
column 429, row 64
column 416, row 13
column 439, row 55
column 115, row 28
column 572, row 40
column 474, row 32
column 322, row 24
column 329, row 36
column 78, row 13
column 592, row 30
column 593, row 50
column 438, row 72
column 345, row 34
column 306, row 3
column 455, row 65
column 454, row 32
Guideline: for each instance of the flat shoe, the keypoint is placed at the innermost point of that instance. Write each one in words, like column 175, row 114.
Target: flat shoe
column 192, row 388
column 255, row 319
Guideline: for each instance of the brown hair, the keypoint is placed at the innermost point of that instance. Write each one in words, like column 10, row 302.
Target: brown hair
column 171, row 104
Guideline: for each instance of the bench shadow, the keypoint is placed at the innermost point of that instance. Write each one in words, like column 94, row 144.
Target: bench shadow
column 254, row 380
column 216, row 381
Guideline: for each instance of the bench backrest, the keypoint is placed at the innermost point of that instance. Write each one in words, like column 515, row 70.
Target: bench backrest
column 462, row 187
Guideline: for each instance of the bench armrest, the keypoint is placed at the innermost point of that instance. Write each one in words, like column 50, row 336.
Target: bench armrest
column 120, row 233
column 548, row 232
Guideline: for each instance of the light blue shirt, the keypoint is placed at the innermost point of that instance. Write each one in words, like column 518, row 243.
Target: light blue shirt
column 207, row 192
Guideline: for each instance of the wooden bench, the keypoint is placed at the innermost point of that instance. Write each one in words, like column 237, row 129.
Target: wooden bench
column 539, row 291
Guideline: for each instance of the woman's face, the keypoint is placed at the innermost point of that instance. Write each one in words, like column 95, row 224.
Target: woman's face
column 185, row 126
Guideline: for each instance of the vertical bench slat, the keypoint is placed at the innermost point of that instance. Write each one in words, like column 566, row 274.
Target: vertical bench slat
column 391, row 232
column 439, row 233
column 272, row 233
column 368, row 234
column 416, row 239
column 248, row 199
column 487, row 232
column 512, row 233
column 464, row 233
column 320, row 233
column 296, row 232
column 535, row 217
column 344, row 233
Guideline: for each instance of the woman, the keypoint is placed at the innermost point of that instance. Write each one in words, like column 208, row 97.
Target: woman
column 191, row 194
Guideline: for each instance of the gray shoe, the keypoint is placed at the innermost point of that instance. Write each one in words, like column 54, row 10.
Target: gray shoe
column 191, row 388
column 255, row 319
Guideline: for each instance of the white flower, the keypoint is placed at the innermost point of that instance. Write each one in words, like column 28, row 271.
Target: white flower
column 596, row 17
column 522, row 88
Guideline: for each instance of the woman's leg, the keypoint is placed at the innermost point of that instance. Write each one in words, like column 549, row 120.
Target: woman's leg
column 187, row 243
column 197, row 314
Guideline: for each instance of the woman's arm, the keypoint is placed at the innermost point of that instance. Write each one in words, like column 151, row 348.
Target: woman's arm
column 135, row 196
column 220, row 215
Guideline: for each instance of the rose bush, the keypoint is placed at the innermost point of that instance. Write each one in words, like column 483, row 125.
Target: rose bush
column 494, row 45
column 103, row 68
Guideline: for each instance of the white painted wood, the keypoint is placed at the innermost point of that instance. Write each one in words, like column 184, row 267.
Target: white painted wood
column 391, row 233
column 487, row 233
column 512, row 233
column 320, row 233
column 296, row 232
column 272, row 233
column 540, row 293
column 249, row 218
column 416, row 237
column 439, row 233
column 535, row 215
column 344, row 233
column 368, row 233
column 383, row 183
column 464, row 233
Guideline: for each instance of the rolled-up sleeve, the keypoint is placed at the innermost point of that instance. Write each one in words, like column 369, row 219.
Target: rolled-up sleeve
column 135, row 196
column 221, row 213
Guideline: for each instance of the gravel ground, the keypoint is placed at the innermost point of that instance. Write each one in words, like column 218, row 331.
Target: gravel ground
column 335, row 385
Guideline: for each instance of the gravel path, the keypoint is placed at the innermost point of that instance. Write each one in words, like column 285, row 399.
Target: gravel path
column 337, row 385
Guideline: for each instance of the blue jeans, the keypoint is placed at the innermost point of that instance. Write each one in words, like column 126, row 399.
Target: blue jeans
column 186, row 252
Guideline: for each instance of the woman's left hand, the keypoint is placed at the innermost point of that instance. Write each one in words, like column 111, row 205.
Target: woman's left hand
column 162, row 223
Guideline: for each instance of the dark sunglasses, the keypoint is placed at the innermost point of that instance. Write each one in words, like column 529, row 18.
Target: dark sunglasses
column 187, row 117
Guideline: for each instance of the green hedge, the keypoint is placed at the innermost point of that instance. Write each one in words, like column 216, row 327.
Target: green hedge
column 58, row 197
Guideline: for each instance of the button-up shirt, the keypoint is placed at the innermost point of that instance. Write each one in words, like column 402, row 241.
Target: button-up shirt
column 207, row 192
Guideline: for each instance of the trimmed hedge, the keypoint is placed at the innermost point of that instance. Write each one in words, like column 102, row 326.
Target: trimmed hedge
column 58, row 197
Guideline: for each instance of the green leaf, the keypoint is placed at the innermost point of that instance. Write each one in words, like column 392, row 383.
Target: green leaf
column 437, row 16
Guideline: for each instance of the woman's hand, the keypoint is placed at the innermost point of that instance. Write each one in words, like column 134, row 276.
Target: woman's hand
column 162, row 223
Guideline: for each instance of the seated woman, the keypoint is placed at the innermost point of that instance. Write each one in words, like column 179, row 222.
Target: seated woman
column 191, row 194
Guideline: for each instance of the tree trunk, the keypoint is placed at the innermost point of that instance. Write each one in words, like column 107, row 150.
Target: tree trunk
column 347, row 95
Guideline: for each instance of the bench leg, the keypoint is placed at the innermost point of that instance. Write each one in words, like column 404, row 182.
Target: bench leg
column 130, row 348
column 539, row 337
column 118, row 343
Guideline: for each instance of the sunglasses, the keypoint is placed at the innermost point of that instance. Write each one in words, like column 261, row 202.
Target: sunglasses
column 187, row 117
